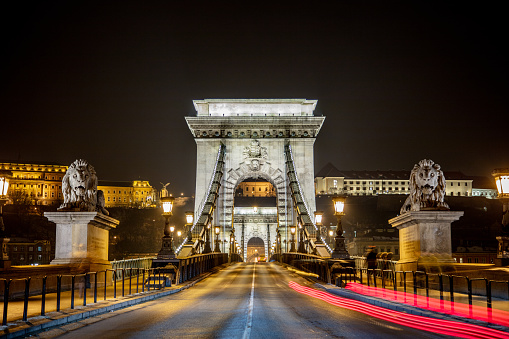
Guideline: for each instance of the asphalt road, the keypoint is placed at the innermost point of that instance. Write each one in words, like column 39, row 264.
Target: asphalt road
column 245, row 300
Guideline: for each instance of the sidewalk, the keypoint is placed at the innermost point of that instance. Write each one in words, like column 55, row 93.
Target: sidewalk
column 17, row 328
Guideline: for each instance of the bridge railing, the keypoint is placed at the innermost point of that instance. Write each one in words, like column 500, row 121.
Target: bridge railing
column 35, row 296
column 131, row 263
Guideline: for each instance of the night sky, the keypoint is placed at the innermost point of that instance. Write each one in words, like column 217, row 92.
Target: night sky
column 111, row 82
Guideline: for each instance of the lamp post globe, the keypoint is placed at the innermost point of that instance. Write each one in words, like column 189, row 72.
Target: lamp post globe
column 189, row 224
column 318, row 222
column 166, row 251
column 340, row 251
column 293, row 229
column 501, row 176
column 5, row 177
column 217, row 229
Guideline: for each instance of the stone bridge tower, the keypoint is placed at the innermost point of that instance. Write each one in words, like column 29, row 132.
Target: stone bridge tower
column 255, row 132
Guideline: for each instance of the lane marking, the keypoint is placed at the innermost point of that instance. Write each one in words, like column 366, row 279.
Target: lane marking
column 249, row 322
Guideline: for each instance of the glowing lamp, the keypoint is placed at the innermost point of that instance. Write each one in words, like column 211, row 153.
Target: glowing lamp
column 217, row 229
column 179, row 233
column 167, row 205
column 189, row 217
column 501, row 176
column 293, row 229
column 255, row 209
column 4, row 182
column 339, row 205
column 318, row 218
column 331, row 233
column 172, row 229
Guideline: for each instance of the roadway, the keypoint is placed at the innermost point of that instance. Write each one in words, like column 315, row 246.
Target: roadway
column 245, row 300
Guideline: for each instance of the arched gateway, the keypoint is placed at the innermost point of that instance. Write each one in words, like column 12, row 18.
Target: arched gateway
column 269, row 139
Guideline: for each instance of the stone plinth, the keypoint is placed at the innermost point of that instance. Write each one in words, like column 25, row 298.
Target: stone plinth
column 81, row 237
column 424, row 236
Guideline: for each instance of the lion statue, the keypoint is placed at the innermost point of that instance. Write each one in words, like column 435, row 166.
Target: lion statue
column 427, row 188
column 79, row 187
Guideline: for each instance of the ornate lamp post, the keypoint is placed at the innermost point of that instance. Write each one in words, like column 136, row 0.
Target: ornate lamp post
column 189, row 223
column 217, row 229
column 292, row 231
column 278, row 242
column 501, row 176
column 339, row 249
column 166, row 251
column 207, row 248
column 5, row 263
column 318, row 222
column 302, row 249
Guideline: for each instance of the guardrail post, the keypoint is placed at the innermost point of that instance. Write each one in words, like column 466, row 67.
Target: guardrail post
column 123, row 279
column 143, row 280
column 95, row 288
column 441, row 286
column 25, row 301
column 130, row 278
column 7, row 284
column 114, row 284
column 427, row 285
column 85, row 289
column 43, row 296
column 137, row 279
column 414, row 273
column 59, row 291
column 488, row 293
column 72, row 291
column 469, row 287
column 451, row 288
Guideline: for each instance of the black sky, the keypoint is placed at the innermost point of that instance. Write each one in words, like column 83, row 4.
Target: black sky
column 111, row 82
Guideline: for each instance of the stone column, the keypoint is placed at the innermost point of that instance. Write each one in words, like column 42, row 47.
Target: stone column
column 81, row 237
column 424, row 238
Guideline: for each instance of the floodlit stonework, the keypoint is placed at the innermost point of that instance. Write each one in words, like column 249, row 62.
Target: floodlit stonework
column 254, row 132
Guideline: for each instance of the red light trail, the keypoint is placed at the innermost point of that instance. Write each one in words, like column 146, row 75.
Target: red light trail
column 446, row 327
column 443, row 306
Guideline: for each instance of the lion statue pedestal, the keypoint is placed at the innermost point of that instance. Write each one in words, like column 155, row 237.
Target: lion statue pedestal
column 83, row 223
column 425, row 221
column 424, row 238
column 82, row 237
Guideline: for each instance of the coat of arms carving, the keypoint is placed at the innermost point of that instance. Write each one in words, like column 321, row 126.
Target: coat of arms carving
column 255, row 155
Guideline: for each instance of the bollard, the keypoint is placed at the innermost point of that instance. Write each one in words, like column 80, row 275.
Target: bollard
column 59, row 291
column 43, row 296
column 7, row 284
column 25, row 301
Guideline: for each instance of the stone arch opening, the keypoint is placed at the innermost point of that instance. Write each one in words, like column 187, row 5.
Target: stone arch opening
column 255, row 250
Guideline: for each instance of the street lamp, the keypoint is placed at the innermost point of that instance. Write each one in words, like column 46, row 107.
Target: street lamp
column 331, row 234
column 340, row 251
column 166, row 251
column 5, row 176
column 292, row 231
column 189, row 223
column 302, row 249
column 501, row 176
column 318, row 222
column 207, row 248
column 216, row 248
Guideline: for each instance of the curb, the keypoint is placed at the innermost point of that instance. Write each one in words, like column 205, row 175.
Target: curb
column 55, row 319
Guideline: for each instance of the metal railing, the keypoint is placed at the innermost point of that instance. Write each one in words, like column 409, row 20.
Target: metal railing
column 413, row 281
column 56, row 292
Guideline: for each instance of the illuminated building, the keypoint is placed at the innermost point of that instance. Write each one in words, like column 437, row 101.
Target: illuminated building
column 255, row 188
column 25, row 252
column 40, row 183
column 330, row 180
column 137, row 193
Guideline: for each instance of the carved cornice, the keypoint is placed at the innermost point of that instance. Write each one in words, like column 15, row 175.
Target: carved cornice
column 255, row 127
